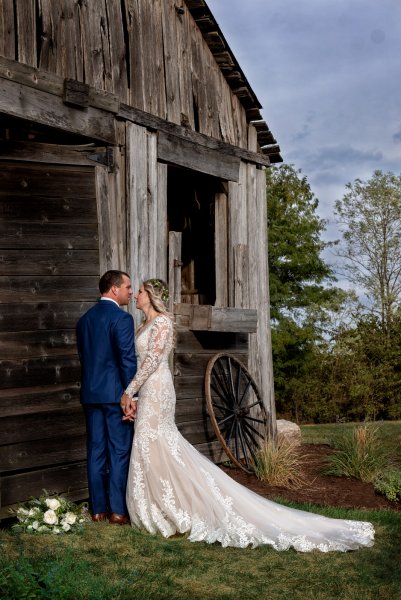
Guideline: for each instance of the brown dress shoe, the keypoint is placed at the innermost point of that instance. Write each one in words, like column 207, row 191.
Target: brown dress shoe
column 116, row 519
column 100, row 517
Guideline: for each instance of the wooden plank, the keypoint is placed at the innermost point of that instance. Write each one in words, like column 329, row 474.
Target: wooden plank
column 162, row 222
column 191, row 364
column 137, row 199
column 216, row 318
column 198, row 342
column 39, row 453
column 241, row 281
column 237, row 225
column 118, row 51
column 7, row 34
column 38, row 399
column 152, row 209
column 118, row 200
column 46, row 208
column 171, row 63
column 49, row 370
column 221, row 249
column 50, row 153
column 153, row 60
column 189, row 387
column 41, row 315
column 174, row 271
column 107, row 241
column 27, row 344
column 56, row 480
column 19, row 235
column 95, row 49
column 190, row 409
column 185, row 28
column 27, row 180
column 264, row 326
column 59, row 425
column 135, row 49
column 41, row 107
column 199, row 158
column 42, row 262
column 26, row 25
column 26, row 289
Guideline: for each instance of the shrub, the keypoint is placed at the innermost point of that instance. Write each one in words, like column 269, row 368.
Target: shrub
column 359, row 454
column 389, row 484
column 279, row 464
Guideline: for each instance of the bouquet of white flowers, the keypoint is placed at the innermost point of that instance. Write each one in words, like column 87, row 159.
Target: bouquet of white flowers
column 50, row 514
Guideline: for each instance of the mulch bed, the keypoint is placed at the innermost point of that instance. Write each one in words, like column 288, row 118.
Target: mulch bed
column 319, row 489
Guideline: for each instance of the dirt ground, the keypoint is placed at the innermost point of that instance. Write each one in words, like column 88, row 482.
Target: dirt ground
column 319, row 489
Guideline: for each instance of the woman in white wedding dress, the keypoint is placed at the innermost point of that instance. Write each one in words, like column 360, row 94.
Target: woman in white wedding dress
column 173, row 488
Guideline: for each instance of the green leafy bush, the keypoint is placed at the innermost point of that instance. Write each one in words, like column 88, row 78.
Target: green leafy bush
column 389, row 484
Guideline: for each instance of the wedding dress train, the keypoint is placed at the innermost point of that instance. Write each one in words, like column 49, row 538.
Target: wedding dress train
column 173, row 488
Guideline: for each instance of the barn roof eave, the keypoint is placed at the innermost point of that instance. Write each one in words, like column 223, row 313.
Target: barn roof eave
column 233, row 74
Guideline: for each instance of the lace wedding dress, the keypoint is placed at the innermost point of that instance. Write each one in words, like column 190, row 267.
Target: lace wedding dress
column 173, row 488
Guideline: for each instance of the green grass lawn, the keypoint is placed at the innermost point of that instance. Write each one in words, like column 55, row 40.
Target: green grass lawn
column 118, row 563
column 113, row 562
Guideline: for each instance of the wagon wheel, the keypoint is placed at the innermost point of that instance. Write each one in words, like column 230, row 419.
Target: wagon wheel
column 235, row 409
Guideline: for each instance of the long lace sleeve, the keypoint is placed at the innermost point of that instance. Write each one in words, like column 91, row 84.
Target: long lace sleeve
column 160, row 339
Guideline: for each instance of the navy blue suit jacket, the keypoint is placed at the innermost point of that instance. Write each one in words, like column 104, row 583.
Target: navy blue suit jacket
column 106, row 348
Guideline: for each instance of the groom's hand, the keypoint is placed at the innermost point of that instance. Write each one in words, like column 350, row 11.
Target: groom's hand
column 129, row 406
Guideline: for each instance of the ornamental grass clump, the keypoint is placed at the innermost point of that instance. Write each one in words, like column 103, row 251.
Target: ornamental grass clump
column 50, row 514
column 279, row 464
column 359, row 454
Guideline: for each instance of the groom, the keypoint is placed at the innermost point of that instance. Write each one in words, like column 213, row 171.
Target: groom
column 106, row 348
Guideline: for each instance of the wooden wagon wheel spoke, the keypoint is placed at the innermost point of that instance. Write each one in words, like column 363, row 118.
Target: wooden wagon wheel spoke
column 224, row 420
column 255, row 430
column 245, row 392
column 223, row 377
column 235, row 409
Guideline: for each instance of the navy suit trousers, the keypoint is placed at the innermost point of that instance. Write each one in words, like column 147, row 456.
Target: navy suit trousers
column 109, row 441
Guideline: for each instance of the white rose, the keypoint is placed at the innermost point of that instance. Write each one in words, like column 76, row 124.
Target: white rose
column 70, row 518
column 35, row 525
column 22, row 512
column 66, row 527
column 50, row 517
column 32, row 512
column 52, row 503
column 56, row 530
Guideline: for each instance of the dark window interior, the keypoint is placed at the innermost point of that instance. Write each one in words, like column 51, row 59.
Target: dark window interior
column 190, row 206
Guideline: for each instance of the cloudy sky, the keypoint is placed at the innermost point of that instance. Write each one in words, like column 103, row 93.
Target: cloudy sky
column 328, row 75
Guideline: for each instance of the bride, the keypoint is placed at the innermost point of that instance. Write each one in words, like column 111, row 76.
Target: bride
column 173, row 488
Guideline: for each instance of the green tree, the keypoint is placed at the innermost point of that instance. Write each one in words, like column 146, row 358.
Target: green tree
column 301, row 283
column 370, row 218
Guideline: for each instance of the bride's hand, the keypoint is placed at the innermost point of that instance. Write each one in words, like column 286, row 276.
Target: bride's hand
column 130, row 410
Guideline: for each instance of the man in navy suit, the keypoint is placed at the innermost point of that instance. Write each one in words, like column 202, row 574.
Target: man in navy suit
column 106, row 348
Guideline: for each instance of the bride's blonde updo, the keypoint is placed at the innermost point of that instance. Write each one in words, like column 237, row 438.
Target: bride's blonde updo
column 158, row 293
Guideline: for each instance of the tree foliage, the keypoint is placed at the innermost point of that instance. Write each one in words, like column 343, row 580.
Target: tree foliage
column 300, row 280
column 370, row 218
column 336, row 354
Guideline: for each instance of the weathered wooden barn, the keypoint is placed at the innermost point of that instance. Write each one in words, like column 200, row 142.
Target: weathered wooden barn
column 129, row 138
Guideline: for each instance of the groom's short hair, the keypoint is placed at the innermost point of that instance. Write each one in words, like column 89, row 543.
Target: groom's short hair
column 111, row 278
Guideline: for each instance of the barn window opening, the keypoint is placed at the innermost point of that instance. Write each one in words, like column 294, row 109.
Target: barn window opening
column 190, row 208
